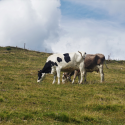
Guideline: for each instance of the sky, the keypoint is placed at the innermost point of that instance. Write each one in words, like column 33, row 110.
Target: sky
column 62, row 26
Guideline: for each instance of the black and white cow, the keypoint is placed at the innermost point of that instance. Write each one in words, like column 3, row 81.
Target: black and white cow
column 67, row 62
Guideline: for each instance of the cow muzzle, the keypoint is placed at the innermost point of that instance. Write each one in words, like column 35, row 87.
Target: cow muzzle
column 38, row 81
column 63, row 81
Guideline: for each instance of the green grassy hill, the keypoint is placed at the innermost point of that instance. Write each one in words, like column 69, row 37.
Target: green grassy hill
column 24, row 101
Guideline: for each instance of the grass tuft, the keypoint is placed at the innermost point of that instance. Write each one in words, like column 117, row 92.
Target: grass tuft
column 63, row 117
column 1, row 99
column 89, row 119
column 110, row 108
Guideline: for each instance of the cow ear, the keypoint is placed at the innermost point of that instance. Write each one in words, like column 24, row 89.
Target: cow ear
column 80, row 53
column 38, row 71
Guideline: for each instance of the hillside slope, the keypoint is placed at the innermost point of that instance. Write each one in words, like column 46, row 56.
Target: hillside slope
column 24, row 101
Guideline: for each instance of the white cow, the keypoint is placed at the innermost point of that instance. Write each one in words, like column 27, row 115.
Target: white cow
column 67, row 62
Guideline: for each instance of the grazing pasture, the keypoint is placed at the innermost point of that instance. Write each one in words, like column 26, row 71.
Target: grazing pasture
column 24, row 101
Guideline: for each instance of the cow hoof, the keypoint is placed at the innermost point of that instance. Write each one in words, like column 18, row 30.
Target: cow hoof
column 81, row 83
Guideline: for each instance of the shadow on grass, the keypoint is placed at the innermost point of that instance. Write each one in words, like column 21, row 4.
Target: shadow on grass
column 113, row 108
column 63, row 117
column 7, row 116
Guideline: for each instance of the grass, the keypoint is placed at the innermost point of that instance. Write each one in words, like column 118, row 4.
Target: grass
column 24, row 101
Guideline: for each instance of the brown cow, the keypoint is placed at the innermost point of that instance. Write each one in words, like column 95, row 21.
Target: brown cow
column 92, row 63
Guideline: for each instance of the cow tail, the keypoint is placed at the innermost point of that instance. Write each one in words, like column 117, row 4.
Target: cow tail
column 106, row 65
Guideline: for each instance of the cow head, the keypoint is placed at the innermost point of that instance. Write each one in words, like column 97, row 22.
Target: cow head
column 40, row 76
column 66, row 77
column 83, row 54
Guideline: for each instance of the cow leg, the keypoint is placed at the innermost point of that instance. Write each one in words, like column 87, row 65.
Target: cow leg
column 74, row 77
column 85, row 77
column 58, row 74
column 69, row 78
column 54, row 79
column 82, row 71
column 82, row 75
column 79, row 78
column 73, row 80
column 101, row 73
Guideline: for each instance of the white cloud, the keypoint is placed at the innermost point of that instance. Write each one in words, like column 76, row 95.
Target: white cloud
column 93, row 37
column 32, row 22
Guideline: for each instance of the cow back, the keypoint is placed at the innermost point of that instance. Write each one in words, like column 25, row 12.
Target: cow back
column 90, row 61
column 100, row 59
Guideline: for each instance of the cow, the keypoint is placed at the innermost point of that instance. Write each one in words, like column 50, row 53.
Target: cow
column 66, row 62
column 92, row 63
column 67, row 76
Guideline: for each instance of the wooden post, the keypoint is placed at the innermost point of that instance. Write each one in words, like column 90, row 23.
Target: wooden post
column 24, row 45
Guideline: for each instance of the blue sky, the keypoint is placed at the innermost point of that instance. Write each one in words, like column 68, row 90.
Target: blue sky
column 59, row 26
column 80, row 11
